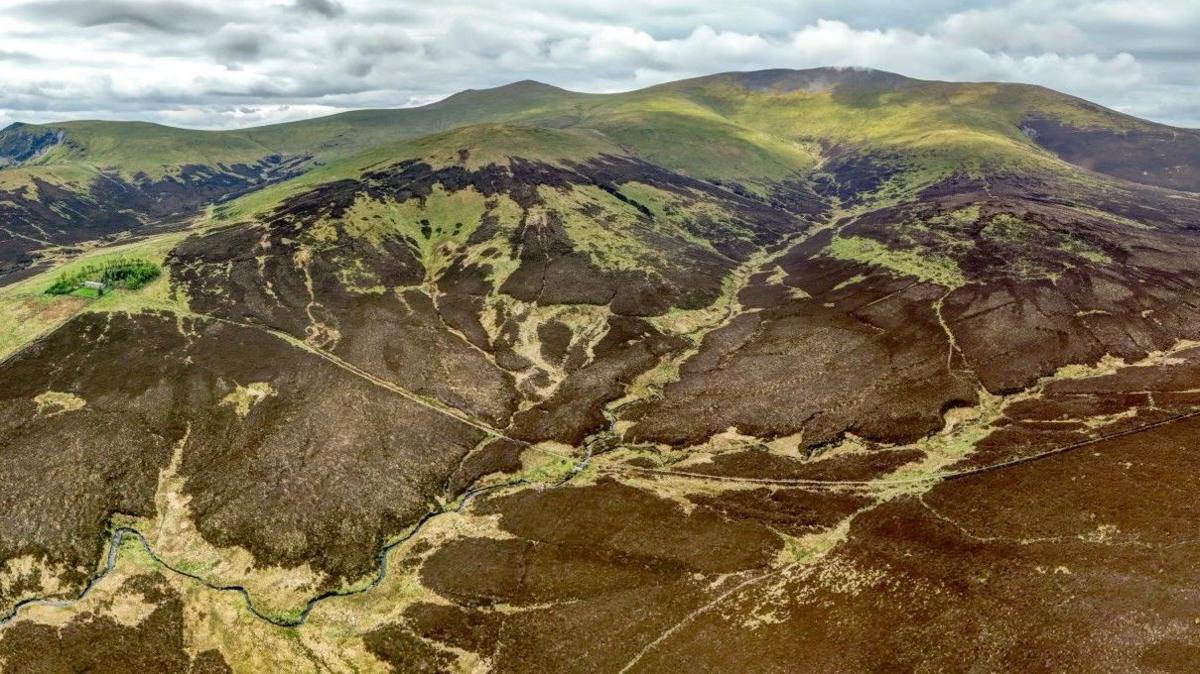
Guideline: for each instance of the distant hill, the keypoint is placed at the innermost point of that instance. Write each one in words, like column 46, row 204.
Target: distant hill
column 766, row 125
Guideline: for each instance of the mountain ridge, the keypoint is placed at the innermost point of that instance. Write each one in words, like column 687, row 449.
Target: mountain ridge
column 539, row 86
column 762, row 127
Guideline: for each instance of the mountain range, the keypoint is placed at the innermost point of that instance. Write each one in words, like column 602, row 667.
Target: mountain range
column 786, row 370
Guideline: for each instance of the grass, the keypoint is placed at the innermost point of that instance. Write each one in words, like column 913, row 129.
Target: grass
column 673, row 213
column 114, row 273
column 602, row 227
column 73, row 176
column 28, row 312
column 548, row 467
column 1020, row 234
column 923, row 265
column 684, row 136
column 483, row 144
column 1082, row 250
column 436, row 227
column 1009, row 228
column 242, row 398
column 132, row 148
column 708, row 127
column 55, row 402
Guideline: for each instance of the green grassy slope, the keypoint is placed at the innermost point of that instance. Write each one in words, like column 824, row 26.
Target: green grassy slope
column 483, row 144
column 751, row 128
column 129, row 148
column 153, row 149
column 747, row 125
column 764, row 124
column 346, row 133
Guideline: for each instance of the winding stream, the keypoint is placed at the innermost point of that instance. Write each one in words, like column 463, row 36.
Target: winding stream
column 121, row 534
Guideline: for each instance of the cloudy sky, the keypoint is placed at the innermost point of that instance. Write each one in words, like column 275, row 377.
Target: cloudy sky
column 227, row 63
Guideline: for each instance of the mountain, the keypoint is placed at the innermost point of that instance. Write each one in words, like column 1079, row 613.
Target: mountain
column 80, row 181
column 735, row 372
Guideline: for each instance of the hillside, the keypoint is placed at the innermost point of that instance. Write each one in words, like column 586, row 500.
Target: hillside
column 72, row 183
column 730, row 371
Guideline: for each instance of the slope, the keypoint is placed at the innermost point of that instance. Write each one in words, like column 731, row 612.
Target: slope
column 82, row 181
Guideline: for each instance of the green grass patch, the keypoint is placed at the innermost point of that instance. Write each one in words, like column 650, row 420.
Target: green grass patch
column 924, row 265
column 54, row 402
column 1009, row 228
column 117, row 273
column 1083, row 250
column 1020, row 235
column 153, row 150
column 27, row 311
column 686, row 215
column 436, row 227
column 686, row 137
column 603, row 227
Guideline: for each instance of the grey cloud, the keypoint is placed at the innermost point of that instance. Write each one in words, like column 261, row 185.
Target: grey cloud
column 326, row 8
column 238, row 45
column 290, row 89
column 18, row 57
column 373, row 41
column 360, row 67
column 169, row 16
column 229, row 62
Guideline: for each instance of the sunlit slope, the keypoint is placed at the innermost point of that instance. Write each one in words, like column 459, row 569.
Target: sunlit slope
column 946, row 126
column 776, row 125
column 66, row 183
column 744, row 125
column 350, row 132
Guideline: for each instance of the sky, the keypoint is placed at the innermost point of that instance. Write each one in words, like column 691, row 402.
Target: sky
column 235, row 63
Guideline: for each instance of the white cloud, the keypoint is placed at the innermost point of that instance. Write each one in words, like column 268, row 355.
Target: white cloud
column 225, row 63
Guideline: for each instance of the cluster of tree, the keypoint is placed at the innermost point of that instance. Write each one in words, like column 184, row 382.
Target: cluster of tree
column 128, row 273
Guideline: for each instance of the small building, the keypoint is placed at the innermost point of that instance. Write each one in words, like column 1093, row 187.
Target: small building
column 95, row 285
